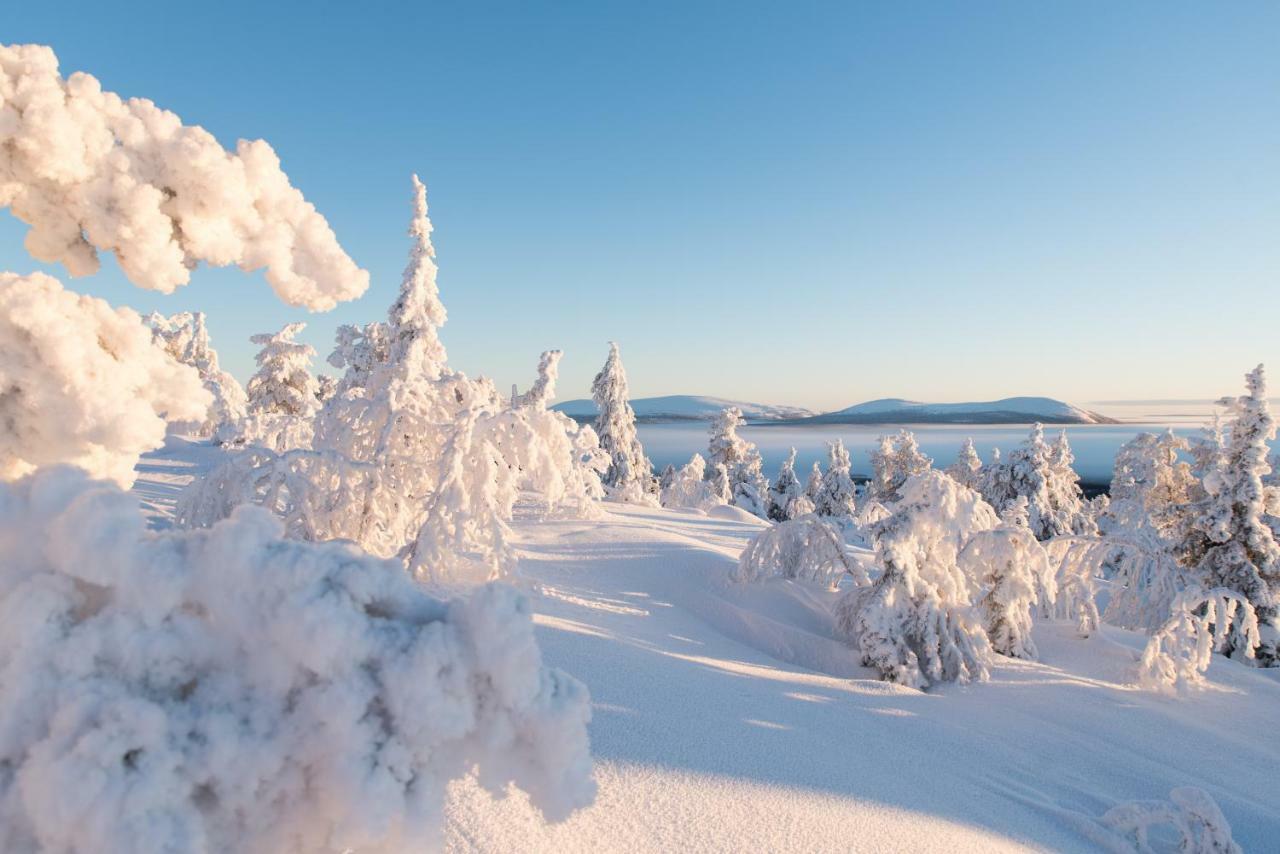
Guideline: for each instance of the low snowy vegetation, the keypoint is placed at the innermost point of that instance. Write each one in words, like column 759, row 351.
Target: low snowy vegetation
column 1011, row 570
column 689, row 488
column 747, row 486
column 1202, row 623
column 1193, row 817
column 806, row 548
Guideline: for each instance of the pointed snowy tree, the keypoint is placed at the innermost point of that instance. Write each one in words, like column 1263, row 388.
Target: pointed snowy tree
column 836, row 494
column 1009, row 566
column 894, row 460
column 748, row 487
column 630, row 474
column 1228, row 543
column 667, row 477
column 689, row 488
column 717, row 477
column 282, row 394
column 1065, row 495
column 784, row 490
column 1042, row 474
column 967, row 469
column 185, row 337
column 813, row 485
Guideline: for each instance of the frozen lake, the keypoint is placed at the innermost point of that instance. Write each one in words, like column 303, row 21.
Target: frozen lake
column 1095, row 445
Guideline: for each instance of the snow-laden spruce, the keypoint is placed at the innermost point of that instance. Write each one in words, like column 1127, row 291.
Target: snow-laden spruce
column 83, row 383
column 1227, row 541
column 967, row 469
column 895, row 459
column 916, row 623
column 807, row 548
column 748, row 487
column 90, row 171
column 836, row 492
column 630, row 474
column 689, row 488
column 231, row 690
column 1011, row 569
column 1042, row 474
column 786, row 491
column 1201, row 623
column 282, row 395
column 185, row 337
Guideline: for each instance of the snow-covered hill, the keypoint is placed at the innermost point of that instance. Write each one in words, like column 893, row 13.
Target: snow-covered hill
column 1010, row 410
column 687, row 407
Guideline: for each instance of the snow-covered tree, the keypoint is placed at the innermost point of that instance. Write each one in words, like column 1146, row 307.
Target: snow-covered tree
column 630, row 474
column 806, row 548
column 1200, row 624
column 1228, row 542
column 83, row 383
column 813, row 485
column 1043, row 475
column 185, row 337
column 785, row 490
column 748, row 487
column 895, row 459
column 326, row 387
column 282, row 398
column 689, row 488
column 916, row 623
column 717, row 477
column 1009, row 566
column 667, row 478
column 835, row 497
column 231, row 690
column 1192, row 815
column 1065, row 495
column 967, row 469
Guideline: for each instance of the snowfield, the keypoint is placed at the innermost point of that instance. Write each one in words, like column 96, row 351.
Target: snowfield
column 728, row 717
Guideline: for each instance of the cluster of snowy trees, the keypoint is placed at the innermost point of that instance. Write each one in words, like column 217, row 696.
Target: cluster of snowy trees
column 245, row 685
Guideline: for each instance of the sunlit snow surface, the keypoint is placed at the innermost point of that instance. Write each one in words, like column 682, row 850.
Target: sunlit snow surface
column 727, row 718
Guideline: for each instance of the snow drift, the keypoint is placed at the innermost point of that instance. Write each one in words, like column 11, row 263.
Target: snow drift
column 89, row 171
column 229, row 690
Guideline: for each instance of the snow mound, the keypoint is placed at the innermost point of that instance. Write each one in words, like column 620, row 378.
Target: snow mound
column 735, row 514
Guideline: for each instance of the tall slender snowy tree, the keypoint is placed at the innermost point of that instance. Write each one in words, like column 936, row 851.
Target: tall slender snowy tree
column 813, row 485
column 630, row 474
column 836, row 494
column 784, row 490
column 748, row 487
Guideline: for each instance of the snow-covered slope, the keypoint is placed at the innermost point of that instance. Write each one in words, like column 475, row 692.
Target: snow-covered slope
column 687, row 407
column 1010, row 410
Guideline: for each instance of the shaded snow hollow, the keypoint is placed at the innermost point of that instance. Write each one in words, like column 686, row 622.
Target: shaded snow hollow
column 727, row 717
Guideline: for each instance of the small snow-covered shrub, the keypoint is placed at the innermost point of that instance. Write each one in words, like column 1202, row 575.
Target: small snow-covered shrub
column 689, row 488
column 231, row 690
column 916, row 623
column 83, row 383
column 1075, row 561
column 785, row 491
column 1191, row 813
column 1202, row 623
column 807, row 548
column 1009, row 565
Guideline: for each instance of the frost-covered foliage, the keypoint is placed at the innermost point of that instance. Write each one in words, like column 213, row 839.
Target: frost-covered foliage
column 1227, row 541
column 689, row 488
column 894, row 460
column 1075, row 561
column 357, row 351
column 836, row 493
column 90, row 171
column 808, row 548
column 1043, row 475
column 916, row 623
column 185, row 337
column 785, row 491
column 813, row 485
column 748, row 487
column 630, row 474
column 282, row 399
column 1011, row 568
column 83, row 383
column 326, row 387
column 1192, row 815
column 231, row 690
column 1201, row 623
column 967, row 469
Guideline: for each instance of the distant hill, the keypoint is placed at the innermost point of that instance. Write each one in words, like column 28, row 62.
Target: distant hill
column 1011, row 410
column 687, row 407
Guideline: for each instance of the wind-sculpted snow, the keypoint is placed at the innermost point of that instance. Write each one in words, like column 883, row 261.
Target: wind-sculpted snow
column 230, row 690
column 83, row 383
column 90, row 171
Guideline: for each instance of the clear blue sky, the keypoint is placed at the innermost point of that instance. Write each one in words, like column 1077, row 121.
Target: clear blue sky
column 814, row 204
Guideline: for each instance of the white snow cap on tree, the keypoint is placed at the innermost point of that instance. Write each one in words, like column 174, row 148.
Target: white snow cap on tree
column 785, row 491
column 748, row 487
column 894, row 460
column 185, row 337
column 83, row 383
column 229, row 690
column 282, row 398
column 630, row 474
column 689, row 488
column 967, row 469
column 836, row 492
column 90, row 171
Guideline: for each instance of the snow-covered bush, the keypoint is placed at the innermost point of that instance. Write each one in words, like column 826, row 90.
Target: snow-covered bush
column 813, row 485
column 967, row 469
column 916, row 623
column 894, row 460
column 83, row 383
column 282, row 398
column 689, row 488
column 748, row 487
column 1201, row 624
column 1010, row 568
column 1043, row 475
column 185, row 337
column 1191, row 813
column 231, row 690
column 630, row 474
column 807, row 548
column 836, row 493
column 89, row 171
column 1075, row 561
column 785, row 491
column 1227, row 541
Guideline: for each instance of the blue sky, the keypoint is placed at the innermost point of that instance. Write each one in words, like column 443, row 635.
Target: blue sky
column 813, row 204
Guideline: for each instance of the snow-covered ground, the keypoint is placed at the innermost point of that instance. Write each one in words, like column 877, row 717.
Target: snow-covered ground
column 728, row 717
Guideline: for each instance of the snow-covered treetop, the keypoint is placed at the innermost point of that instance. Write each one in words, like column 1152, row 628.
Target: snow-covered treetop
column 283, row 384
column 418, row 313
column 543, row 390
column 90, row 171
